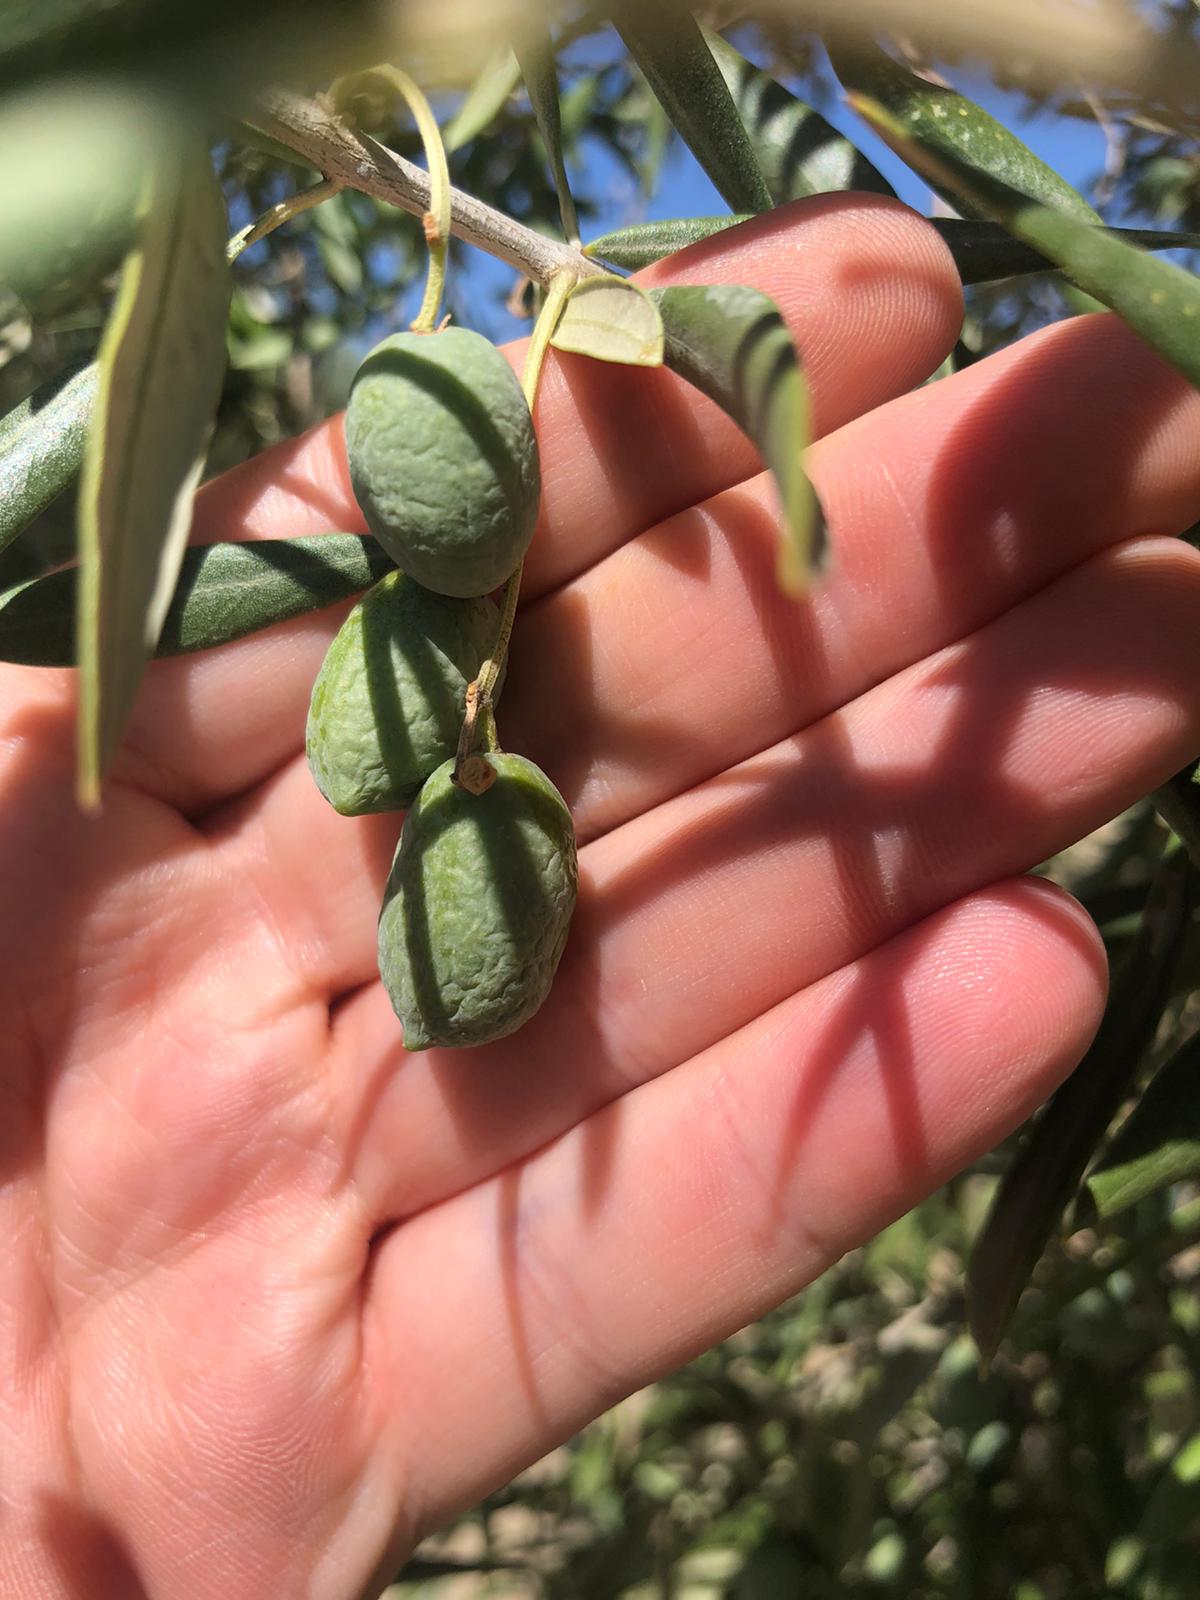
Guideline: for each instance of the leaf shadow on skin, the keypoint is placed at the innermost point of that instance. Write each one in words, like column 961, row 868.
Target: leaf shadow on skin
column 294, row 481
column 618, row 409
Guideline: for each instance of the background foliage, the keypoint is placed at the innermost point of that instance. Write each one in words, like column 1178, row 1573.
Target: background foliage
column 850, row 1444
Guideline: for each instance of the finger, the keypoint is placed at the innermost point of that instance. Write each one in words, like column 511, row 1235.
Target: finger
column 677, row 654
column 868, row 290
column 705, row 1198
column 706, row 912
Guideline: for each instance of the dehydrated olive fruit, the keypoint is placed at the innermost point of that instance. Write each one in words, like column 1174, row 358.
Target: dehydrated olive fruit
column 443, row 458
column 388, row 700
column 478, row 904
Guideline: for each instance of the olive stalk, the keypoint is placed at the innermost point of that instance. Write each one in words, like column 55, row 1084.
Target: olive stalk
column 436, row 220
column 479, row 697
column 356, row 161
column 293, row 206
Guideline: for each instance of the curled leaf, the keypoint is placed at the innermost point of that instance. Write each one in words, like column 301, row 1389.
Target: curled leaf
column 611, row 319
column 732, row 344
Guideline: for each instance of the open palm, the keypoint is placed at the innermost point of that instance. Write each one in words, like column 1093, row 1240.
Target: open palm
column 278, row 1297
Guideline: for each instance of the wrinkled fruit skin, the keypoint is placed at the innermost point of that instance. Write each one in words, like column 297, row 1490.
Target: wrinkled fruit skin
column 443, row 459
column 478, row 904
column 388, row 700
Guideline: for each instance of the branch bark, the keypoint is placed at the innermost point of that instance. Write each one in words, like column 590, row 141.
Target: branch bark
column 356, row 161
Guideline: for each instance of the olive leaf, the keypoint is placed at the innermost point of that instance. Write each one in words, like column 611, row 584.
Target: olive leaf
column 665, row 40
column 642, row 243
column 946, row 124
column 732, row 344
column 224, row 591
column 1158, row 1145
column 1038, row 1185
column 611, row 319
column 800, row 153
column 983, row 251
column 1157, row 299
column 41, row 446
column 534, row 50
column 487, row 98
column 161, row 362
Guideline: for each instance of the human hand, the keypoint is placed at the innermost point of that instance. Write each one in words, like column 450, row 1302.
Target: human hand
column 281, row 1298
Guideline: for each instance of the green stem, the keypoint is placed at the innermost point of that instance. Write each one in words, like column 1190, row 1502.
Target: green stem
column 293, row 206
column 436, row 220
column 480, row 693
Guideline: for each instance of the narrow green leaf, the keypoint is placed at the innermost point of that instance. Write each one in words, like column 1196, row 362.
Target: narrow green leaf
column 645, row 242
column 665, row 40
column 611, row 319
column 534, row 50
column 947, row 124
column 732, row 344
column 983, row 251
column 1039, row 1184
column 1156, row 298
column 800, row 153
column 487, row 98
column 224, row 592
column 1159, row 1144
column 161, row 362
column 41, row 447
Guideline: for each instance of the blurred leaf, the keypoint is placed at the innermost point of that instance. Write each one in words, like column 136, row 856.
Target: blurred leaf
column 224, row 592
column 1160, row 1142
column 1173, row 1511
column 488, row 96
column 1043, row 1176
column 41, row 447
column 948, row 125
column 642, row 243
column 733, row 345
column 161, row 363
column 218, row 49
column 799, row 152
column 983, row 251
column 1157, row 299
column 611, row 320
column 68, row 190
column 534, row 50
column 665, row 41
